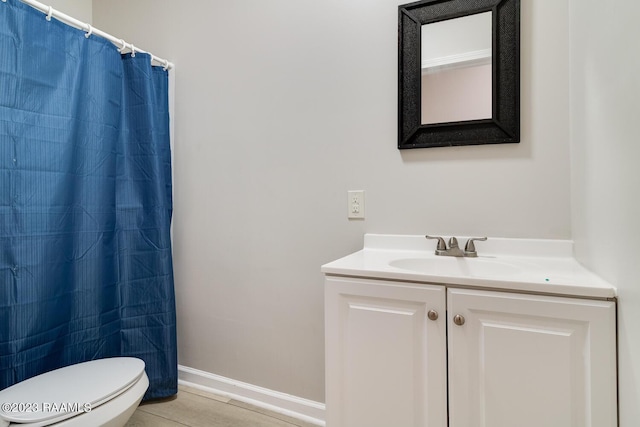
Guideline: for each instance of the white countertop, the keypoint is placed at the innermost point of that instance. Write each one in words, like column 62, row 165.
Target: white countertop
column 522, row 265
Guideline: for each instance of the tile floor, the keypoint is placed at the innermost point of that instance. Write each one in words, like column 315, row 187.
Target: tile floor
column 196, row 408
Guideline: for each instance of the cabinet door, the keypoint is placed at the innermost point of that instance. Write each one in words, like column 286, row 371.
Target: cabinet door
column 385, row 359
column 531, row 361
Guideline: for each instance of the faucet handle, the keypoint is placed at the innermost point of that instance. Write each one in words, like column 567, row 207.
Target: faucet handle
column 441, row 245
column 453, row 243
column 470, row 248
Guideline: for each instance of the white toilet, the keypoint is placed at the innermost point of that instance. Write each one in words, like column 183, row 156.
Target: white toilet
column 102, row 392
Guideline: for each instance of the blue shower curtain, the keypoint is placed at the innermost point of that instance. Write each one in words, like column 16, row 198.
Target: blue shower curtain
column 85, row 203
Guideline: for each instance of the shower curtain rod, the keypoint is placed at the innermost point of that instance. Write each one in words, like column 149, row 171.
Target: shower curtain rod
column 122, row 45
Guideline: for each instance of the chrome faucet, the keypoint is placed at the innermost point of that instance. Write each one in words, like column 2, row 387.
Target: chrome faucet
column 454, row 249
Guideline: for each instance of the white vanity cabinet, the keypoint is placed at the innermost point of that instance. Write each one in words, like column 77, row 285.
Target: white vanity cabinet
column 530, row 361
column 411, row 354
column 386, row 362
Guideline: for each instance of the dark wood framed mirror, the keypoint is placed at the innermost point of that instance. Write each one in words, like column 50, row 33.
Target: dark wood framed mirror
column 458, row 73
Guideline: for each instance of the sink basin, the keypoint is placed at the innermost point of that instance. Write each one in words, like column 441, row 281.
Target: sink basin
column 526, row 265
column 453, row 266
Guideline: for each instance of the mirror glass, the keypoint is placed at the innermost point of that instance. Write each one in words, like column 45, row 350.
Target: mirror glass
column 456, row 70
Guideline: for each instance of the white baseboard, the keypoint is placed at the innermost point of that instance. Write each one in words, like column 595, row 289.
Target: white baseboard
column 282, row 403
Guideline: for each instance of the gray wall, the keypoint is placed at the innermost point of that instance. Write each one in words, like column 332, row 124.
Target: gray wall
column 281, row 107
column 605, row 85
column 79, row 9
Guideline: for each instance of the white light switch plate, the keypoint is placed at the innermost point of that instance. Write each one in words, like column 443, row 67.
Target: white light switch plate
column 356, row 204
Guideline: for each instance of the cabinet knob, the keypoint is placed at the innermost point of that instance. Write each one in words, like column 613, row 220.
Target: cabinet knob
column 458, row 320
column 432, row 315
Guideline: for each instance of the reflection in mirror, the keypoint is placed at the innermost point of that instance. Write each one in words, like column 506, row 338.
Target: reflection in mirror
column 456, row 69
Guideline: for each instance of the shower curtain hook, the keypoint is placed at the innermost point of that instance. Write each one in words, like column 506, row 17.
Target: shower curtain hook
column 90, row 30
column 166, row 65
column 124, row 45
column 133, row 51
column 48, row 18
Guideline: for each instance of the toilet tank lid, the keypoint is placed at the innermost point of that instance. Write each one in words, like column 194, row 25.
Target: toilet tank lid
column 68, row 391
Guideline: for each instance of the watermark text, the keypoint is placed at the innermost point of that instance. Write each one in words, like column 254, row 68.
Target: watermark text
column 59, row 407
